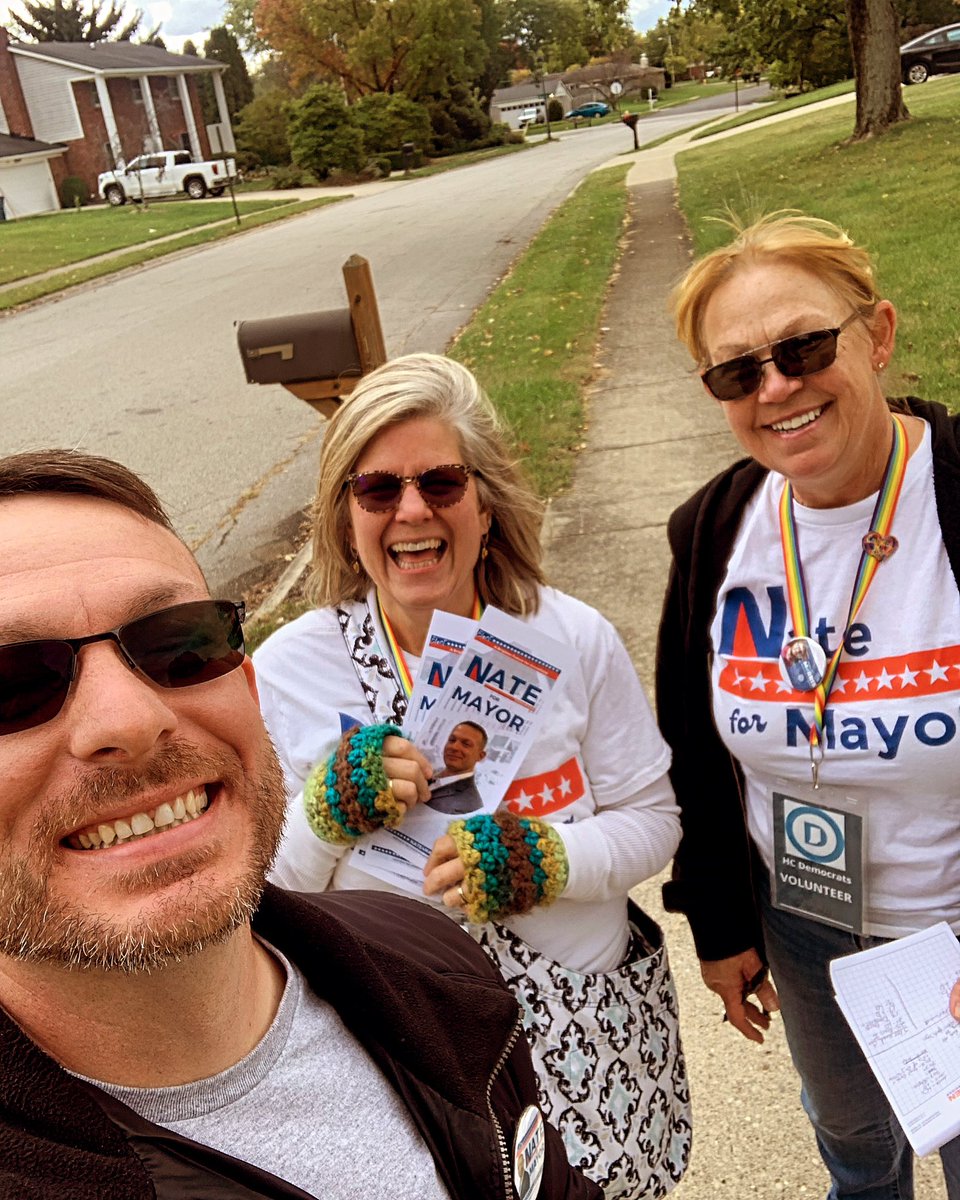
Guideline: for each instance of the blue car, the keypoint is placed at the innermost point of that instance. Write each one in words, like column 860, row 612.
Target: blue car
column 595, row 109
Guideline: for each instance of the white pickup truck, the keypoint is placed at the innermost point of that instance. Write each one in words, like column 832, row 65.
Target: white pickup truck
column 166, row 174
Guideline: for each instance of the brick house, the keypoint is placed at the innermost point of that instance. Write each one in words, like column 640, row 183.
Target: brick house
column 93, row 106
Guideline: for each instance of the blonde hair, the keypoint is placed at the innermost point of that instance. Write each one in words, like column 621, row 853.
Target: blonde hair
column 429, row 385
column 786, row 236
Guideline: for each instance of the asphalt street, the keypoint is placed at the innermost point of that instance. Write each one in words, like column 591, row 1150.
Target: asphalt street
column 144, row 367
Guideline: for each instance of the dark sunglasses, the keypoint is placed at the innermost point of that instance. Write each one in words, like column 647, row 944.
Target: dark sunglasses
column 804, row 354
column 175, row 647
column 382, row 491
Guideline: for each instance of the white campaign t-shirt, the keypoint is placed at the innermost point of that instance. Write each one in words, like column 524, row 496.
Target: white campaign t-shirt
column 892, row 727
column 598, row 770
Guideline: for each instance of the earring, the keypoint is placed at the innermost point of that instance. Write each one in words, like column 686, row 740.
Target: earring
column 355, row 564
column 483, row 546
column 881, row 365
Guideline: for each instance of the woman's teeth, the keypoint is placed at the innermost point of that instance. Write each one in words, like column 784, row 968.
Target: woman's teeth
column 797, row 422
column 142, row 824
column 409, row 555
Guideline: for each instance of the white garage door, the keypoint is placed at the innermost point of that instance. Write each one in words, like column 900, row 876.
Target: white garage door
column 27, row 188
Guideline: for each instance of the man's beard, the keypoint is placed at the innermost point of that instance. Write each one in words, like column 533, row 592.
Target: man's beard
column 38, row 926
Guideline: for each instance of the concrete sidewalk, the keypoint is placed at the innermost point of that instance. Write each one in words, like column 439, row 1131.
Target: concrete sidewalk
column 653, row 437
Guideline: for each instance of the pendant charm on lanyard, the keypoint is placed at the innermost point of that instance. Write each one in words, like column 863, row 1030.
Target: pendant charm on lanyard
column 798, row 659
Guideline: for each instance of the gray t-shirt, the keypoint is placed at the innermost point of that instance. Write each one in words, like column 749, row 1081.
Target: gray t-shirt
column 307, row 1104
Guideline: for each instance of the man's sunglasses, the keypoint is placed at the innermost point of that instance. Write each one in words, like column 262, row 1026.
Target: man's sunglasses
column 382, row 491
column 804, row 354
column 175, row 647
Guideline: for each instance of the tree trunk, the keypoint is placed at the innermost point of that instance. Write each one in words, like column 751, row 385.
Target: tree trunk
column 875, row 44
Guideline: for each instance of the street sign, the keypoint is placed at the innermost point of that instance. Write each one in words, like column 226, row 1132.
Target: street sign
column 616, row 87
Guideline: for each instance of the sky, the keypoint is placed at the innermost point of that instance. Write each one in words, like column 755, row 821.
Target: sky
column 183, row 19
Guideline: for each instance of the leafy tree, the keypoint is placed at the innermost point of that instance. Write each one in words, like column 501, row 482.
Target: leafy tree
column 411, row 46
column 499, row 58
column 69, row 21
column 190, row 48
column 548, row 32
column 239, row 18
column 324, row 134
column 389, row 121
column 818, row 41
column 261, row 130
column 222, row 46
column 918, row 16
column 606, row 26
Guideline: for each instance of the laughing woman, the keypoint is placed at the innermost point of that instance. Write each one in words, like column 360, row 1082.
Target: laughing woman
column 809, row 661
column 420, row 508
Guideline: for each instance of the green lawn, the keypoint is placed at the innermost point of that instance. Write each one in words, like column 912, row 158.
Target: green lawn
column 896, row 194
column 532, row 343
column 779, row 106
column 37, row 244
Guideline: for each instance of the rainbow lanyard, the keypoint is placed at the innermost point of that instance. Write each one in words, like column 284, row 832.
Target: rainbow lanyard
column 406, row 679
column 875, row 549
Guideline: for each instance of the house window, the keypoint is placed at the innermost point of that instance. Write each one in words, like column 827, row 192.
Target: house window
column 96, row 95
column 137, row 91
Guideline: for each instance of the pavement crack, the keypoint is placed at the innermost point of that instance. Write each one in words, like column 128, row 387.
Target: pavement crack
column 228, row 522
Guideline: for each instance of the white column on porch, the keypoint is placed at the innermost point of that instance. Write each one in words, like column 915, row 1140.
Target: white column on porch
column 113, row 134
column 229, row 146
column 192, row 134
column 151, row 114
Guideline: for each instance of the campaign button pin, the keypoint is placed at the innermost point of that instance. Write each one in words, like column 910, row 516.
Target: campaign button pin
column 803, row 664
column 529, row 1153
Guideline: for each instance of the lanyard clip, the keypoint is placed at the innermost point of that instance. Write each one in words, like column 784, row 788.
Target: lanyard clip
column 816, row 758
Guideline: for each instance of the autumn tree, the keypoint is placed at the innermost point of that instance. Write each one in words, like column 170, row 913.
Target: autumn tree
column 70, row 21
column 410, row 46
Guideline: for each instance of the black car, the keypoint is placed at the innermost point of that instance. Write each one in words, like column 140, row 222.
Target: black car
column 931, row 53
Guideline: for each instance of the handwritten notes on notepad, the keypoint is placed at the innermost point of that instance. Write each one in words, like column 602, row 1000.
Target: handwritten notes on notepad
column 895, row 998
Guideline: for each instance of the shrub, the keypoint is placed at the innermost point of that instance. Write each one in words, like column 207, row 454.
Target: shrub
column 290, row 177
column 554, row 109
column 324, row 133
column 384, row 164
column 73, row 192
column 399, row 163
column 389, row 121
column 458, row 121
column 261, row 131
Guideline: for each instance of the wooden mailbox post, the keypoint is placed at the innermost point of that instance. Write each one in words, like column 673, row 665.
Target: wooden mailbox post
column 319, row 356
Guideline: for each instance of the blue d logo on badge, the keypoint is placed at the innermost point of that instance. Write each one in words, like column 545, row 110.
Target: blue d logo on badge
column 815, row 835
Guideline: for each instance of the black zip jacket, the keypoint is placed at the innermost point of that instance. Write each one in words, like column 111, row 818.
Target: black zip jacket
column 712, row 878
column 419, row 995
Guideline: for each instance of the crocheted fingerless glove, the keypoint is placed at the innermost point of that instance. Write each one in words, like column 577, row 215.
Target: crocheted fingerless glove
column 512, row 864
column 350, row 794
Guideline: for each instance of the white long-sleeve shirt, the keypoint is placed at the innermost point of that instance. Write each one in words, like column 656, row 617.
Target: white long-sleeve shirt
column 598, row 771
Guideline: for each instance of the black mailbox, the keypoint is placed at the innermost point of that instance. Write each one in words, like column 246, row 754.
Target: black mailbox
column 299, row 348
column 319, row 356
